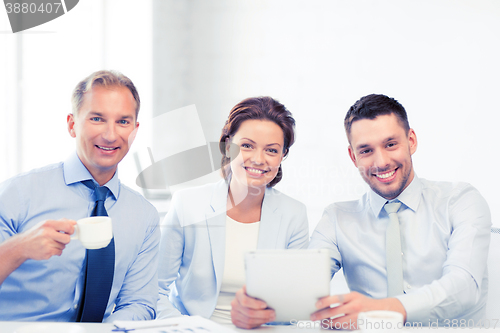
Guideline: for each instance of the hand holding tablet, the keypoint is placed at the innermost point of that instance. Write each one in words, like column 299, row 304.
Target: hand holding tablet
column 288, row 281
column 248, row 312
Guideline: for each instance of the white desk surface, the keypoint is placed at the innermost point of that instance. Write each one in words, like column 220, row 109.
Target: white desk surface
column 11, row 326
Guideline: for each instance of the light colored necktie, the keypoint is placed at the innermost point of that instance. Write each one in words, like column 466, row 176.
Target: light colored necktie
column 393, row 251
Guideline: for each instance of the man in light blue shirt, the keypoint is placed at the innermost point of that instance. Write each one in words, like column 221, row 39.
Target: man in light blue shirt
column 444, row 228
column 42, row 270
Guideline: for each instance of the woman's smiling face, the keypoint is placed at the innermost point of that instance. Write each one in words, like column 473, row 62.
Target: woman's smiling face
column 256, row 153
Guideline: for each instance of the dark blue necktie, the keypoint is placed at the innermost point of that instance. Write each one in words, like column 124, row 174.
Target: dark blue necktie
column 99, row 268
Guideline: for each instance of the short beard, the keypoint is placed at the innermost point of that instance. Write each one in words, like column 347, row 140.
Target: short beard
column 393, row 194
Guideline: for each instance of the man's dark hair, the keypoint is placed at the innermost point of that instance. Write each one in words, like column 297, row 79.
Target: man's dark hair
column 372, row 106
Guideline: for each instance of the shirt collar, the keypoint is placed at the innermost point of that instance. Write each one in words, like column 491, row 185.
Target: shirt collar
column 74, row 172
column 410, row 197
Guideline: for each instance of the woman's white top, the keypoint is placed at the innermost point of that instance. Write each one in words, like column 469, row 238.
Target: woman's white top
column 240, row 238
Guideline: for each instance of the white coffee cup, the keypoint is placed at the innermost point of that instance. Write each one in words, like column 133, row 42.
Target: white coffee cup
column 380, row 321
column 94, row 232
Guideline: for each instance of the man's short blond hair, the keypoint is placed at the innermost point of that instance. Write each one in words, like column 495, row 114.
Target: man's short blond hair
column 103, row 79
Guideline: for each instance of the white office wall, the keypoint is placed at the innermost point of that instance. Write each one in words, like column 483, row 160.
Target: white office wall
column 438, row 58
column 41, row 66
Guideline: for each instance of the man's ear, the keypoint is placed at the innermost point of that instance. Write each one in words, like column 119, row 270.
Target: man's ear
column 70, row 119
column 412, row 139
column 132, row 135
column 352, row 156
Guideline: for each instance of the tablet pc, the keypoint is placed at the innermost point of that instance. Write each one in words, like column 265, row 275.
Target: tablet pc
column 289, row 281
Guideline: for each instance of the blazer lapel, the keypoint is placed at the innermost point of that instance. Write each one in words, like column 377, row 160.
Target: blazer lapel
column 270, row 221
column 216, row 227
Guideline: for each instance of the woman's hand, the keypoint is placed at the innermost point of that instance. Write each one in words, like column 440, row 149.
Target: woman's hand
column 248, row 312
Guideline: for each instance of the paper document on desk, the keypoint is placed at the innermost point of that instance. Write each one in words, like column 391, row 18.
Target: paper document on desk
column 184, row 324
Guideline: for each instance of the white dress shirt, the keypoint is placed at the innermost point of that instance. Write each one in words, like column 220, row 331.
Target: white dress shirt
column 445, row 235
column 240, row 238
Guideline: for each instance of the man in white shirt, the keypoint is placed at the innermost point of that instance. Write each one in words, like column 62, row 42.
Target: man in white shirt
column 444, row 233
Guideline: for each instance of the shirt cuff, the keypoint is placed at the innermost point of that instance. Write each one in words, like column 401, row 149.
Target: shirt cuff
column 417, row 308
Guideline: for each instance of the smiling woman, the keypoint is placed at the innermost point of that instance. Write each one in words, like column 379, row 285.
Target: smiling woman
column 245, row 213
column 263, row 109
column 258, row 153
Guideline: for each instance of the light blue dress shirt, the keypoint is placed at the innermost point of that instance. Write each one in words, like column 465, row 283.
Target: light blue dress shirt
column 50, row 289
column 445, row 235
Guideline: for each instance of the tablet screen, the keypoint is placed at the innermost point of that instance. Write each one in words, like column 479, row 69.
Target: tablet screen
column 289, row 281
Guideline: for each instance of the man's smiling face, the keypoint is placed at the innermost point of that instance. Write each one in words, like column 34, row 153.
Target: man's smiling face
column 381, row 149
column 104, row 129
